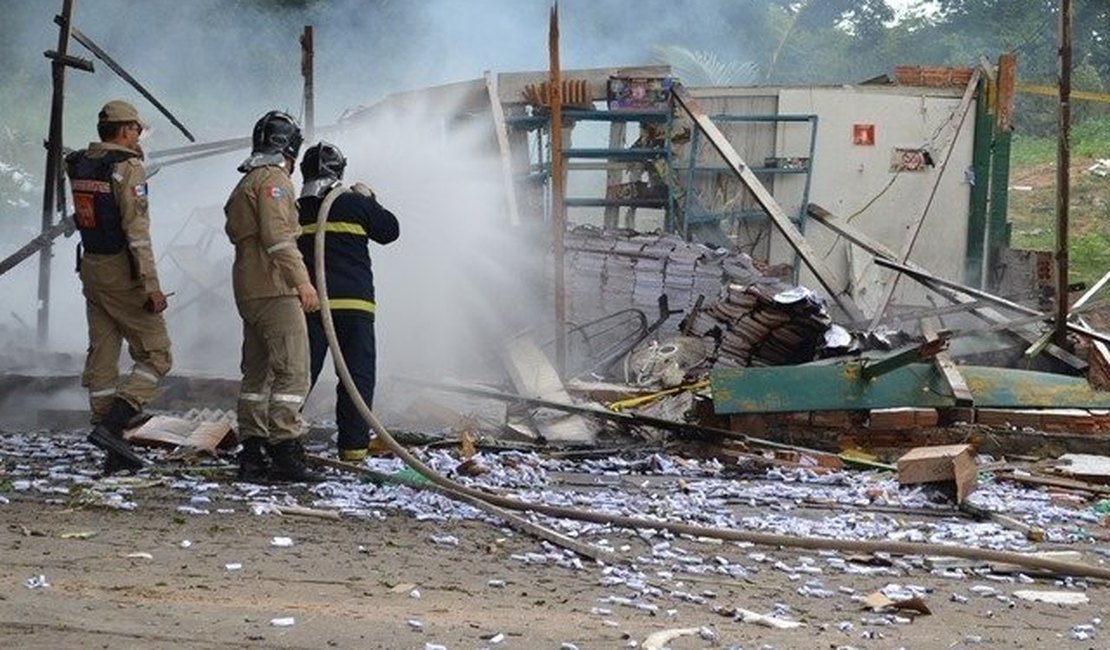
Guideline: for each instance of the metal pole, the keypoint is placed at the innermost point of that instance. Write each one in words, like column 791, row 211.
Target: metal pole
column 309, row 93
column 118, row 69
column 1063, row 175
column 53, row 165
column 558, row 205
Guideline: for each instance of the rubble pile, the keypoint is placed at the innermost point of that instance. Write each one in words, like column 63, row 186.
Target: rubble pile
column 751, row 328
column 606, row 272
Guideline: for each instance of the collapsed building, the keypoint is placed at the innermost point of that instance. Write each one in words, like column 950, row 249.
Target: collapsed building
column 725, row 271
column 715, row 228
column 724, row 230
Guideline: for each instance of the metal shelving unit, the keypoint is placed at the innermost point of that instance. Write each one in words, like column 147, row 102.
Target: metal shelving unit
column 541, row 125
column 694, row 214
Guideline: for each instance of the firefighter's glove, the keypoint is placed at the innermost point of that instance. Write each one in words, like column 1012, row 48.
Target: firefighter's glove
column 156, row 302
column 363, row 189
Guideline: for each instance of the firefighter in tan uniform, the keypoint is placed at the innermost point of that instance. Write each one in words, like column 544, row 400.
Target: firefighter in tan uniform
column 123, row 300
column 272, row 292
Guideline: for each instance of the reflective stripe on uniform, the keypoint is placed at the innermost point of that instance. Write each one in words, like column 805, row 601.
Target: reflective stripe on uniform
column 280, row 245
column 252, row 397
column 145, row 373
column 90, row 185
column 287, row 397
column 352, row 303
column 103, row 392
column 345, row 227
column 139, row 243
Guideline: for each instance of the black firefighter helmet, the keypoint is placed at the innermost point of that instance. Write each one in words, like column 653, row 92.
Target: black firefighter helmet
column 276, row 132
column 323, row 160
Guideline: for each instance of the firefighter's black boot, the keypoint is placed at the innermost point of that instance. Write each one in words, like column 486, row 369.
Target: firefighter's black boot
column 108, row 435
column 289, row 463
column 253, row 465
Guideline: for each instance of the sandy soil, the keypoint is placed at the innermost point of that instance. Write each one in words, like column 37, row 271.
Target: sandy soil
column 358, row 582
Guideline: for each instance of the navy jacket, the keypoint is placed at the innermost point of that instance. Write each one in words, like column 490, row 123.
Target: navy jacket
column 354, row 220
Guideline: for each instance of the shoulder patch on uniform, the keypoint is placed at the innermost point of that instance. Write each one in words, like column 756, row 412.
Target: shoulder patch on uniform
column 139, row 191
column 276, row 192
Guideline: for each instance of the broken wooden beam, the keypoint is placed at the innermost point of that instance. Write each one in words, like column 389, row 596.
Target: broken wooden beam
column 1040, row 343
column 962, row 394
column 927, row 278
column 498, row 113
column 879, row 250
column 118, row 69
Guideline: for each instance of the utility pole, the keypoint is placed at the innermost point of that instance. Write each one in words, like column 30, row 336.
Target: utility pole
column 53, row 167
column 558, row 192
column 309, row 93
column 1063, row 175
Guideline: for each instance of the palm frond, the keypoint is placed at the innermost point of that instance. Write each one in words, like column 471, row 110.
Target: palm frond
column 700, row 68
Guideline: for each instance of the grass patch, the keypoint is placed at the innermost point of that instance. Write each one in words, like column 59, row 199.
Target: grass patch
column 1090, row 139
column 1031, row 150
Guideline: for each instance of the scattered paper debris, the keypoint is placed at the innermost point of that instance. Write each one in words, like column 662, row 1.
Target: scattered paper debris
column 765, row 620
column 233, row 566
column 140, row 555
column 1053, row 597
column 281, row 542
column 878, row 602
column 82, row 534
column 659, row 640
column 36, row 582
column 283, row 622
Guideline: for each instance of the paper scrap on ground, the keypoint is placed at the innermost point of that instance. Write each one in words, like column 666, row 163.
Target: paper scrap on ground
column 1053, row 597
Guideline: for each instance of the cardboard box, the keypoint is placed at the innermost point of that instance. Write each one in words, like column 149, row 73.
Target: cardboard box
column 639, row 93
column 955, row 463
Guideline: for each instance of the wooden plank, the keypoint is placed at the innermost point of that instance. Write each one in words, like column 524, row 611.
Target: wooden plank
column 877, row 249
column 1004, row 95
column 926, row 278
column 1040, row 343
column 614, row 173
column 836, row 289
column 929, row 327
column 915, row 227
column 558, row 192
column 498, row 114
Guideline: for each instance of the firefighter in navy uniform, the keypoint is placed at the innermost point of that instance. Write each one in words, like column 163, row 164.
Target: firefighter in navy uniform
column 272, row 290
column 123, row 300
column 354, row 219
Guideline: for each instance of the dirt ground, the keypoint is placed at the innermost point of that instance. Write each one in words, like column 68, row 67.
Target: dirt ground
column 393, row 581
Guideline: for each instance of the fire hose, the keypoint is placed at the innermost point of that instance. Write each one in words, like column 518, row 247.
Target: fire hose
column 506, row 506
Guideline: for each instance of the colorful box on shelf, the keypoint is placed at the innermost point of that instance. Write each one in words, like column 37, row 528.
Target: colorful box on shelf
column 639, row 93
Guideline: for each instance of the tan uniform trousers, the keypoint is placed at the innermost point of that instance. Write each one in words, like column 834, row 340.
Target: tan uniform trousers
column 275, row 367
column 115, row 313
